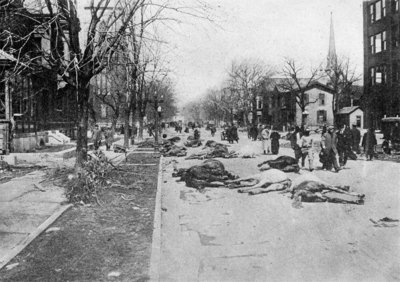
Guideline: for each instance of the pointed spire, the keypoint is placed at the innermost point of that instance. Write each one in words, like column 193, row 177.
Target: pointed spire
column 331, row 59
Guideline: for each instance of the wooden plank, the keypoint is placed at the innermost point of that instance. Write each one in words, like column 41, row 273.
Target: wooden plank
column 33, row 235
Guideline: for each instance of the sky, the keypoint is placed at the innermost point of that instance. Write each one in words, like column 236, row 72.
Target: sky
column 200, row 52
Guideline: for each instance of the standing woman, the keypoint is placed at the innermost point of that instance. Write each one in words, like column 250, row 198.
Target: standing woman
column 275, row 136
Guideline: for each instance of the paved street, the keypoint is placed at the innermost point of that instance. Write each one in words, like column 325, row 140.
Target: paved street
column 222, row 235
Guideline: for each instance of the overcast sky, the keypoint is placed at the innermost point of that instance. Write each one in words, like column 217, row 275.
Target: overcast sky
column 267, row 29
column 200, row 52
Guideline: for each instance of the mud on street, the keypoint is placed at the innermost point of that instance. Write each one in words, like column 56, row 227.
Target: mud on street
column 221, row 235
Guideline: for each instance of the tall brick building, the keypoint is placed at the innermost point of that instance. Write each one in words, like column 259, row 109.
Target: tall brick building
column 381, row 60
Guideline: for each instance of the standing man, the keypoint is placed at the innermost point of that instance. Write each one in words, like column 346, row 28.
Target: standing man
column 344, row 144
column 265, row 140
column 369, row 143
column 329, row 143
column 307, row 149
column 356, row 138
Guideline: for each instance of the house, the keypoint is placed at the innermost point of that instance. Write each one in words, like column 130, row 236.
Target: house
column 381, row 26
column 285, row 112
column 351, row 115
column 35, row 99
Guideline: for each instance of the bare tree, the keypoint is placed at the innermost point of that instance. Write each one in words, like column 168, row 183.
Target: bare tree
column 341, row 78
column 297, row 84
column 245, row 78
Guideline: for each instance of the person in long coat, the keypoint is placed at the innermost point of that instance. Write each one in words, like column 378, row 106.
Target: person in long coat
column 329, row 144
column 274, row 136
column 254, row 132
column 356, row 138
column 369, row 143
column 344, row 144
column 234, row 133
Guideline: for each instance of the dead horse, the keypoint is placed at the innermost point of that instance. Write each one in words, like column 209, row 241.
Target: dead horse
column 263, row 182
column 309, row 188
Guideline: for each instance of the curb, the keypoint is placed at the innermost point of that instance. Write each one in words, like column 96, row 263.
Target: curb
column 34, row 234
column 154, row 272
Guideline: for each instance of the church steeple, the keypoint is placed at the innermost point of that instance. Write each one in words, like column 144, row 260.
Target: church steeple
column 331, row 59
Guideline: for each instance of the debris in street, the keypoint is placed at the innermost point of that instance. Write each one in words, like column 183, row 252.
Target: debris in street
column 114, row 274
column 385, row 222
column 39, row 187
column 210, row 173
column 11, row 266
column 284, row 163
column 263, row 182
column 53, row 229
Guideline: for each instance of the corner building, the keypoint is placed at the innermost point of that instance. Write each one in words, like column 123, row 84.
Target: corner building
column 381, row 60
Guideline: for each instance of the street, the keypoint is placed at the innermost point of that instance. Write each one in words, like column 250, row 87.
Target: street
column 222, row 235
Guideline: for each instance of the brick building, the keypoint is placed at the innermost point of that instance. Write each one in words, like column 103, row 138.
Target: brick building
column 381, row 60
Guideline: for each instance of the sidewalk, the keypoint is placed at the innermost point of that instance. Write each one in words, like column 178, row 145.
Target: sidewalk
column 27, row 208
column 25, row 211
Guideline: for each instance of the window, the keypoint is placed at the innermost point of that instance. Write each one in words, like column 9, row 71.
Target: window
column 395, row 72
column 396, row 5
column 395, row 35
column 377, row 11
column 103, row 111
column 378, row 75
column 377, row 42
column 321, row 99
column 321, row 116
column 372, row 44
column 259, row 104
column 358, row 121
column 372, row 76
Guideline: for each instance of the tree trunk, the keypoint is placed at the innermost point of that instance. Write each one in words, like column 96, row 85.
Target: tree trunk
column 141, row 123
column 126, row 126
column 83, row 118
column 114, row 123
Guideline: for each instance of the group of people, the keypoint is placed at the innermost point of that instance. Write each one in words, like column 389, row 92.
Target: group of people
column 337, row 146
column 270, row 140
column 231, row 133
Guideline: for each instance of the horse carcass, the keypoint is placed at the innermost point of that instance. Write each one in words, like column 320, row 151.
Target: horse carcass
column 263, row 182
column 210, row 173
column 309, row 188
column 284, row 163
column 211, row 150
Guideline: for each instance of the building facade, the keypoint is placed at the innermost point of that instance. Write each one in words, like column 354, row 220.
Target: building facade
column 381, row 60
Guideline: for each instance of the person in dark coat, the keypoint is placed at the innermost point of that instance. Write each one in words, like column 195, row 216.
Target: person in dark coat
column 356, row 138
column 329, row 144
column 234, row 133
column 345, row 140
column 323, row 155
column 369, row 143
column 294, row 142
column 253, row 132
column 274, row 136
